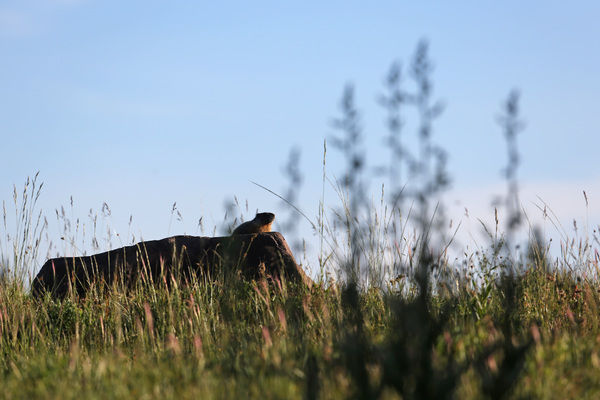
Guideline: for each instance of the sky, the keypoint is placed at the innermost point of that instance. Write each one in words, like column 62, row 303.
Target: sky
column 168, row 112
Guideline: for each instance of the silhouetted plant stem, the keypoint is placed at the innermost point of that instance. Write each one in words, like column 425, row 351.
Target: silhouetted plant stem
column 351, row 146
column 293, row 174
column 393, row 101
column 511, row 125
column 430, row 155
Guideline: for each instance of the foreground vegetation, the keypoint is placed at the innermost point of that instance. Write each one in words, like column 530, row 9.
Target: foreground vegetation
column 389, row 317
column 532, row 336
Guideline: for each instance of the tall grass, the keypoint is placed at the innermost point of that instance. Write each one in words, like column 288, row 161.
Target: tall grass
column 19, row 252
column 397, row 319
column 528, row 336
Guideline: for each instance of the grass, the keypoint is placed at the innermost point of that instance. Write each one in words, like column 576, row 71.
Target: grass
column 235, row 338
column 389, row 317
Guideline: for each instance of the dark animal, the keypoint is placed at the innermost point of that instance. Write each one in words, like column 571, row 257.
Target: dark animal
column 261, row 223
column 179, row 257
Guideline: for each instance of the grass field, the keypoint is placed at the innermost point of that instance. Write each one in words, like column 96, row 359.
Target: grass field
column 492, row 330
column 389, row 316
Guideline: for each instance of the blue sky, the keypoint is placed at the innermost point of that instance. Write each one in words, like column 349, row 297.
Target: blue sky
column 144, row 104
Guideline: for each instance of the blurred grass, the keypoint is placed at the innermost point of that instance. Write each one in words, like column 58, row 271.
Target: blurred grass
column 389, row 317
column 252, row 339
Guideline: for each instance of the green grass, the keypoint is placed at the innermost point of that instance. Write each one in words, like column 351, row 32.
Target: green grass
column 251, row 339
column 492, row 328
column 390, row 318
